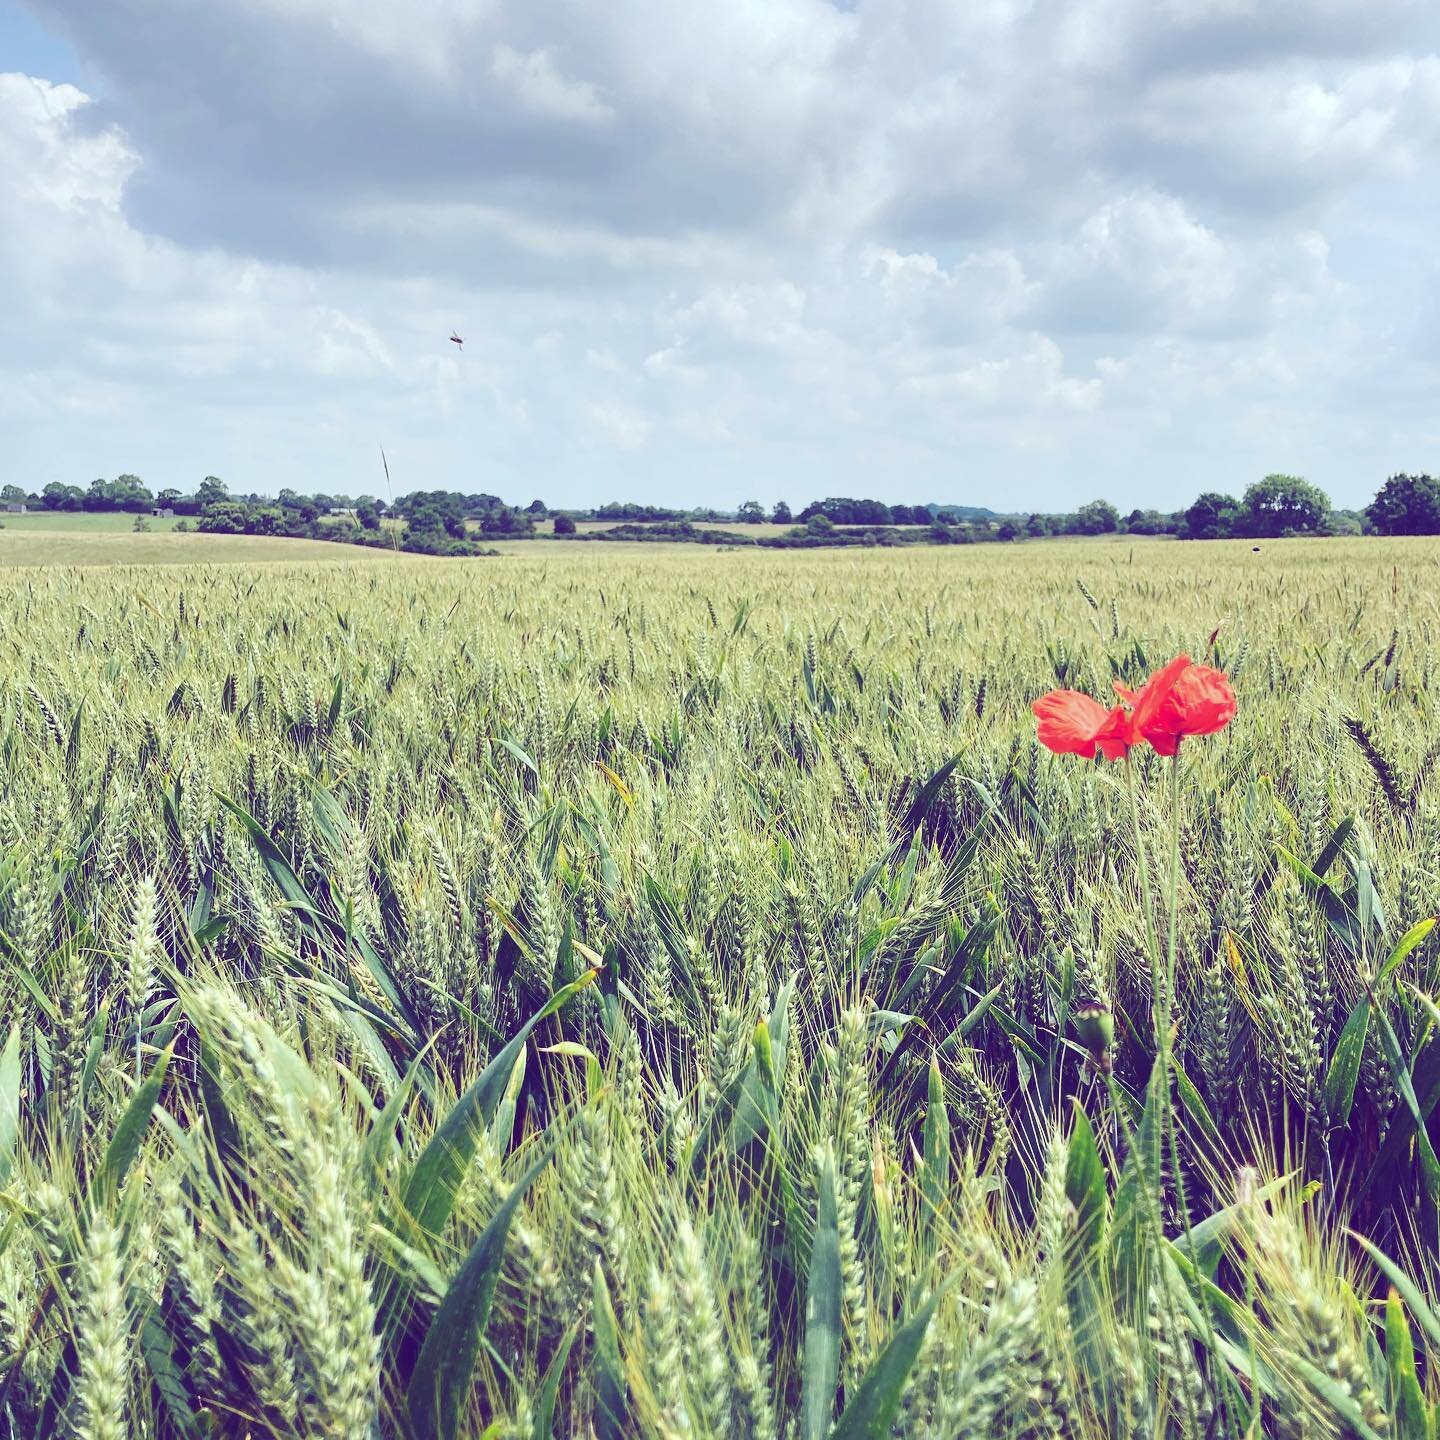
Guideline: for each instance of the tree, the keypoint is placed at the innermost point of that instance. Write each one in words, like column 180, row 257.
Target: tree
column 1284, row 504
column 1211, row 517
column 1407, row 505
column 433, row 517
column 781, row 514
column 211, row 491
column 12, row 495
column 537, row 508
column 1008, row 530
column 750, row 513
column 1099, row 517
column 1148, row 522
column 125, row 492
column 131, row 495
column 629, row 510
column 564, row 525
column 440, row 510
column 841, row 510
column 224, row 517
column 367, row 514
column 62, row 497
column 511, row 524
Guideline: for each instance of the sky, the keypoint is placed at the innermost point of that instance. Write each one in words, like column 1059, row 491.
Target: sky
column 1016, row 253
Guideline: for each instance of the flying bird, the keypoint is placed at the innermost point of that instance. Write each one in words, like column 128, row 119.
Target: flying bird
column 456, row 340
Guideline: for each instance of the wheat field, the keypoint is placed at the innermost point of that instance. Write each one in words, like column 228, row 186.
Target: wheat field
column 630, row 994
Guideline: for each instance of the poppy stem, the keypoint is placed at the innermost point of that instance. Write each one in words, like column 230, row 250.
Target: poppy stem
column 1162, row 972
column 1152, row 945
column 1172, row 899
column 1172, row 920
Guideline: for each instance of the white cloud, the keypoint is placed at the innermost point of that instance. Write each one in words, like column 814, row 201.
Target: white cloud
column 540, row 85
column 670, row 364
column 621, row 425
column 1030, row 379
column 1141, row 263
column 982, row 252
column 45, row 162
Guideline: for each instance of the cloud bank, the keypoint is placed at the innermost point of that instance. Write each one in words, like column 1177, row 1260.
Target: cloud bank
column 1011, row 252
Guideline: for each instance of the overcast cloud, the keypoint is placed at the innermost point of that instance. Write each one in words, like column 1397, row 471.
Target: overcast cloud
column 1004, row 253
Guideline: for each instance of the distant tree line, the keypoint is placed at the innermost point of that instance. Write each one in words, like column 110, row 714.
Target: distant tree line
column 444, row 522
column 1275, row 506
column 432, row 522
column 629, row 510
column 125, row 493
column 437, row 522
column 289, row 515
column 1406, row 505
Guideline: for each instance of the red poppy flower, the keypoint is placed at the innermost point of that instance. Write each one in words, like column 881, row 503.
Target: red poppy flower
column 1074, row 724
column 1178, row 700
column 1182, row 699
column 1146, row 702
column 1200, row 703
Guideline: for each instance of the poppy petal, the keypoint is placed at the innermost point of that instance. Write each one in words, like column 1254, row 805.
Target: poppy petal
column 1198, row 702
column 1153, row 695
column 1201, row 703
column 1163, row 742
column 1113, row 737
column 1069, row 722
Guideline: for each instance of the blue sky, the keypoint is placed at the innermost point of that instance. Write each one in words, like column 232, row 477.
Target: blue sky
column 1013, row 253
column 27, row 46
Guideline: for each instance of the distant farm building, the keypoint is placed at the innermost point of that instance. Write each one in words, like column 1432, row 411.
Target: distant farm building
column 16, row 507
column 342, row 509
column 163, row 512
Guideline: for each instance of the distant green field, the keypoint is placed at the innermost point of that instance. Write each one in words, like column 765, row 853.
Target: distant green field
column 82, row 522
column 97, row 546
